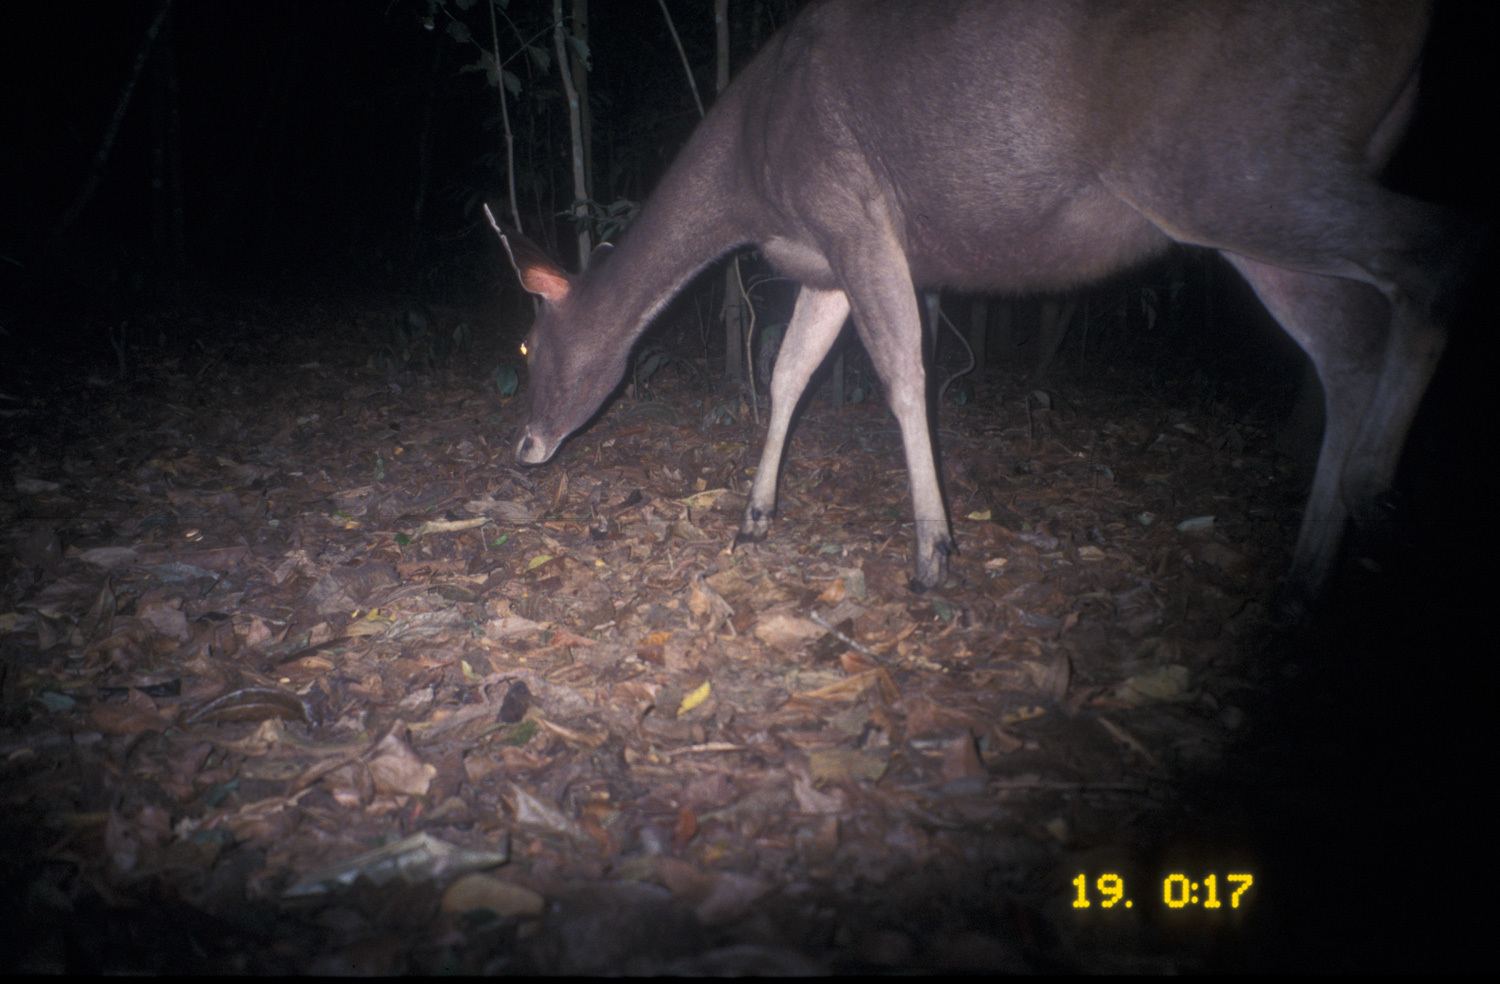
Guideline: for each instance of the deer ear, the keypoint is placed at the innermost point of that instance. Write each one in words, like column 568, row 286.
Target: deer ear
column 538, row 274
column 545, row 280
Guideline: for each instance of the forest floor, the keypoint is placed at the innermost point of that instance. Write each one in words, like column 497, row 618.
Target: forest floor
column 301, row 673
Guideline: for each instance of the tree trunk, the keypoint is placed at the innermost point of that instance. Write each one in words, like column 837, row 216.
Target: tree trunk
column 1055, row 317
column 734, row 301
column 581, row 86
column 424, row 158
column 107, row 142
column 978, row 329
column 510, row 137
column 1004, row 322
column 575, row 135
column 168, row 234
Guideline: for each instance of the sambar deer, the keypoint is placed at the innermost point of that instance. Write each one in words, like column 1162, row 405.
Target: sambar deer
column 878, row 146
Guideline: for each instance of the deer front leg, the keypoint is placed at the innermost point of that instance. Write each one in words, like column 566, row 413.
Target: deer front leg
column 816, row 320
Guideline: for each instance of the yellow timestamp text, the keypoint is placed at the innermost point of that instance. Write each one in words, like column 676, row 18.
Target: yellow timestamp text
column 1177, row 891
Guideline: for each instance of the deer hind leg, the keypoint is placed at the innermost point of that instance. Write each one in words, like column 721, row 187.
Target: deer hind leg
column 816, row 321
column 1372, row 316
column 886, row 316
column 1342, row 325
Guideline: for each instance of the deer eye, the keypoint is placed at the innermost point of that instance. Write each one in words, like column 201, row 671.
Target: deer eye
column 524, row 349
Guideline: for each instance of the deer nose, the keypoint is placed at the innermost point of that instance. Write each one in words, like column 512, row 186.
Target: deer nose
column 532, row 450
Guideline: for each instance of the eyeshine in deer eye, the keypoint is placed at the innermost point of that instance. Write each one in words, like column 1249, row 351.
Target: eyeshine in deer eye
column 524, row 349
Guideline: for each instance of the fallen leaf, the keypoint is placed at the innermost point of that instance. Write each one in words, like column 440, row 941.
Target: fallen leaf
column 786, row 632
column 503, row 898
column 418, row 858
column 395, row 768
column 1169, row 683
column 837, row 764
column 961, row 760
column 692, row 700
column 811, row 801
column 533, row 812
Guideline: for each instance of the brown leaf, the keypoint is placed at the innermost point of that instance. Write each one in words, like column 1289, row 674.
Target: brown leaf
column 138, row 714
column 834, row 593
column 534, row 812
column 813, row 802
column 250, row 704
column 786, row 632
column 839, row 764
column 503, row 510
column 503, row 898
column 217, row 559
column 685, row 828
column 395, row 768
column 707, row 605
column 961, row 760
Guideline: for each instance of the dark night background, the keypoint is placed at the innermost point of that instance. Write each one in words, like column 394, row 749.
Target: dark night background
column 335, row 149
column 309, row 134
column 342, row 147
